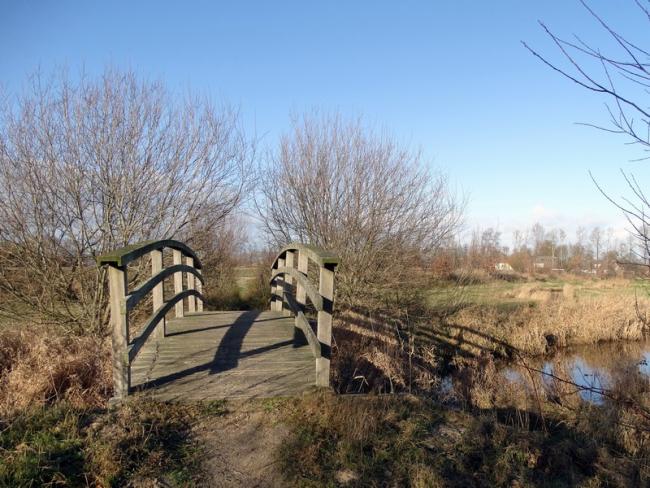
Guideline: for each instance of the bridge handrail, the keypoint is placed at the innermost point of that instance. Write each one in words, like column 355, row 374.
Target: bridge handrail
column 318, row 255
column 126, row 254
column 122, row 301
column 291, row 300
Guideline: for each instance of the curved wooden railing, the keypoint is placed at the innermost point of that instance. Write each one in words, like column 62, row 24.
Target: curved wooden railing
column 290, row 287
column 122, row 301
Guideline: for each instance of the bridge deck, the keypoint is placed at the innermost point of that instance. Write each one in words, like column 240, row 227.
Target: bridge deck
column 213, row 355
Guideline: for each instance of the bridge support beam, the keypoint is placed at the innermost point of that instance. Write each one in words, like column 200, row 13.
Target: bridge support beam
column 301, row 293
column 177, row 257
column 288, row 281
column 158, row 292
column 191, row 300
column 199, row 302
column 120, row 331
column 277, row 304
column 324, row 332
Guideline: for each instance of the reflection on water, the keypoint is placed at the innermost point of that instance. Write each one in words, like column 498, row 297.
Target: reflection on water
column 593, row 368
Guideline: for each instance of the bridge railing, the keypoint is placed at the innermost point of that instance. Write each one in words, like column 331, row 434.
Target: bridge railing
column 291, row 286
column 123, row 300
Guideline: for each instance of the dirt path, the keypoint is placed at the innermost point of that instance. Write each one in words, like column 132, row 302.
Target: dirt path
column 240, row 446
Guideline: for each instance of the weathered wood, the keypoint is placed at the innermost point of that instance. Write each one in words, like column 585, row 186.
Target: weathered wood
column 303, row 324
column 177, row 259
column 199, row 288
column 220, row 354
column 121, row 257
column 138, row 294
column 158, row 292
column 301, row 279
column 225, row 355
column 303, row 268
column 191, row 300
column 322, row 299
column 288, row 280
column 279, row 288
column 138, row 341
column 326, row 289
column 117, row 282
column 318, row 255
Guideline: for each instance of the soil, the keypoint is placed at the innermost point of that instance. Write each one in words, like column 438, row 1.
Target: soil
column 240, row 446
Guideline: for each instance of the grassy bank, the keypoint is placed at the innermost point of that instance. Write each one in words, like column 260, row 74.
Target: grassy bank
column 141, row 443
column 533, row 317
column 321, row 440
column 407, row 441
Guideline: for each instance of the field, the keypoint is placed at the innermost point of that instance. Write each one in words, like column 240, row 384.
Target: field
column 508, row 294
column 536, row 315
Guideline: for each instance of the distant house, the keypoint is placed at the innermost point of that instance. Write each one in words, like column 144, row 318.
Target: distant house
column 546, row 263
column 503, row 267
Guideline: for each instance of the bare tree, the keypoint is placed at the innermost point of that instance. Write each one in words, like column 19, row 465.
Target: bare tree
column 89, row 166
column 596, row 238
column 620, row 72
column 337, row 184
column 538, row 234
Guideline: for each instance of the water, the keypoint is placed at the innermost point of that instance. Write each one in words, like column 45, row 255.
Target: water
column 591, row 368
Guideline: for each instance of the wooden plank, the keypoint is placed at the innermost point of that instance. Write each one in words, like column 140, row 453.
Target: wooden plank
column 120, row 331
column 158, row 292
column 191, row 301
column 302, row 279
column 303, row 324
column 199, row 287
column 259, row 358
column 319, row 255
column 123, row 256
column 138, row 341
column 178, row 282
column 326, row 290
column 139, row 293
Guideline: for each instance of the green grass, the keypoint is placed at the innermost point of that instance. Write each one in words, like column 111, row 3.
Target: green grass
column 139, row 442
column 43, row 446
column 504, row 294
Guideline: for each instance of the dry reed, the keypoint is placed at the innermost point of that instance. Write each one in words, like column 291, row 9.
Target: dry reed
column 39, row 366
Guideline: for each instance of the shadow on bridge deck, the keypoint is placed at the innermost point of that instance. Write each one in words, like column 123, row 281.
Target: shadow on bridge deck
column 213, row 355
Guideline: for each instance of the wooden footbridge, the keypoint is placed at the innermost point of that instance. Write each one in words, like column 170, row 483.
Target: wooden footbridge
column 183, row 352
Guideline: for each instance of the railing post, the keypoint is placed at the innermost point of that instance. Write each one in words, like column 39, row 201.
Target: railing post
column 158, row 293
column 288, row 280
column 199, row 302
column 178, row 282
column 303, row 267
column 279, row 289
column 324, row 332
column 120, row 331
column 191, row 300
column 272, row 299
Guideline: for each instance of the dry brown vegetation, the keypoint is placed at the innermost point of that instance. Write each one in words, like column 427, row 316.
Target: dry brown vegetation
column 406, row 345
column 409, row 441
column 546, row 323
column 41, row 366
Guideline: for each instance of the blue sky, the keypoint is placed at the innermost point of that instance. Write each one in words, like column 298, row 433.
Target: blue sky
column 451, row 78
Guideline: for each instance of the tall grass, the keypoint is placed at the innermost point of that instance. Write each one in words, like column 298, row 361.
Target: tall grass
column 40, row 366
column 409, row 441
column 140, row 444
